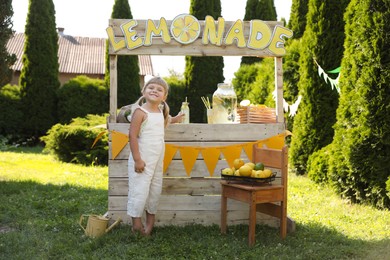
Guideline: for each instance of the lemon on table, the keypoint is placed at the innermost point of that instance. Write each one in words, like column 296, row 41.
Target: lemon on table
column 250, row 164
column 267, row 173
column 237, row 163
column 245, row 170
column 185, row 28
column 227, row 171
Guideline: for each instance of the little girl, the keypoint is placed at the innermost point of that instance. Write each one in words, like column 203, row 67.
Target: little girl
column 145, row 166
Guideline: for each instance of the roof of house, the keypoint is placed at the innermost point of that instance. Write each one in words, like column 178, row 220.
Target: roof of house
column 77, row 55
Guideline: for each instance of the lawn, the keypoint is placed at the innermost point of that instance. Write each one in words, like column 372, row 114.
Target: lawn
column 41, row 201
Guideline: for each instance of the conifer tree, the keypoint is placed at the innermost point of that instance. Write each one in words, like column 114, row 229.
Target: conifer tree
column 128, row 83
column 39, row 76
column 359, row 162
column 322, row 42
column 258, row 9
column 6, row 59
column 297, row 22
column 202, row 74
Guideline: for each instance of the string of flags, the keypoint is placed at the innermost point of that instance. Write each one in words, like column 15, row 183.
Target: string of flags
column 211, row 154
column 333, row 82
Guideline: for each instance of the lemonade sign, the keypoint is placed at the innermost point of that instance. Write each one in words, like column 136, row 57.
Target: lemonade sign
column 186, row 29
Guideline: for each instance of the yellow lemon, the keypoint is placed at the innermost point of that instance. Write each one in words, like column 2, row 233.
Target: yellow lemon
column 227, row 171
column 245, row 170
column 237, row 173
column 237, row 163
column 258, row 174
column 253, row 174
column 250, row 164
column 267, row 173
column 185, row 28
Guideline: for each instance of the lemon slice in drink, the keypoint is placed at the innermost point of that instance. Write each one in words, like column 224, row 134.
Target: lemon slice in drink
column 185, row 28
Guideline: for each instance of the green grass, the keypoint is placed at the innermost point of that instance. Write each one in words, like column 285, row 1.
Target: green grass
column 41, row 201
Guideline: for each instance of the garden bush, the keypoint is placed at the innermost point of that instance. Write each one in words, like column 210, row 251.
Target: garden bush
column 176, row 92
column 317, row 165
column 82, row 96
column 256, row 82
column 11, row 110
column 73, row 142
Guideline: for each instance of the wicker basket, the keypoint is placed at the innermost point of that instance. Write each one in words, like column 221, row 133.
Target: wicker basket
column 256, row 114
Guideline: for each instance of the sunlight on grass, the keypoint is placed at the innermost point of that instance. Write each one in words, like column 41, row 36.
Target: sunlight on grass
column 310, row 203
column 44, row 169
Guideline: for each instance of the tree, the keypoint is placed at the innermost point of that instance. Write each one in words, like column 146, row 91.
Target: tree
column 129, row 89
column 322, row 41
column 359, row 162
column 298, row 14
column 6, row 60
column 39, row 76
column 202, row 74
column 258, row 9
column 297, row 24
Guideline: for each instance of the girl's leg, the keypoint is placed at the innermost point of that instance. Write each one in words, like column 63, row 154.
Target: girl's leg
column 137, row 226
column 150, row 218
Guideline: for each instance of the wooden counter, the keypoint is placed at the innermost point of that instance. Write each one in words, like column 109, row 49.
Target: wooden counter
column 195, row 198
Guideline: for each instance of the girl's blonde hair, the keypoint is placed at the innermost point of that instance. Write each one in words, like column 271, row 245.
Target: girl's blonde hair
column 159, row 81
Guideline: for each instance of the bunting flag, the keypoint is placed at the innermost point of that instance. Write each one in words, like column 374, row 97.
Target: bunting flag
column 210, row 154
column 188, row 155
column 170, row 151
column 119, row 141
column 231, row 152
column 211, row 157
column 276, row 142
column 333, row 82
column 98, row 138
column 248, row 148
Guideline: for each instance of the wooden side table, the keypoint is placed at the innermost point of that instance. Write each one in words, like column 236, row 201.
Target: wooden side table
column 261, row 197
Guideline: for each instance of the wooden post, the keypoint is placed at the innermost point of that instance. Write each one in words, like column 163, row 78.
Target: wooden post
column 279, row 89
column 113, row 88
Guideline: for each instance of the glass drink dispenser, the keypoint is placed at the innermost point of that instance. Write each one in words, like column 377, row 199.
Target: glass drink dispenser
column 224, row 104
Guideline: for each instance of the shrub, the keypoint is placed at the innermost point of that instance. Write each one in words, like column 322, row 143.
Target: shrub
column 256, row 82
column 11, row 110
column 318, row 164
column 72, row 142
column 176, row 93
column 82, row 96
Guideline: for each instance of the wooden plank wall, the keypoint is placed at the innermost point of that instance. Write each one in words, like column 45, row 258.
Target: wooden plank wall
column 195, row 198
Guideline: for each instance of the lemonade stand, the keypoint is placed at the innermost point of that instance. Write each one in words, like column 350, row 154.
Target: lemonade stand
column 195, row 153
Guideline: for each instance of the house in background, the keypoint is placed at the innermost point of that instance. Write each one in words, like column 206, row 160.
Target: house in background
column 76, row 56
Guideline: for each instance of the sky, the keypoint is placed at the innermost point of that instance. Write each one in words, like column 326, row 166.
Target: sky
column 89, row 18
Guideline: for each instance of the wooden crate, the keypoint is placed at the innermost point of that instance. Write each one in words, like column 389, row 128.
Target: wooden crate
column 256, row 114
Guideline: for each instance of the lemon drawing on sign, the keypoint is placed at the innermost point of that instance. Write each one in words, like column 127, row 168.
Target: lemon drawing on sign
column 185, row 28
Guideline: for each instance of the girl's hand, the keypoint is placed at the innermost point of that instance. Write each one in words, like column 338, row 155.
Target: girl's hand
column 139, row 166
column 178, row 118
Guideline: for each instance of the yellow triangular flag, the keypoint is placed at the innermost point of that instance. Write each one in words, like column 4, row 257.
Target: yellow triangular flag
column 97, row 138
column 231, row 152
column 188, row 155
column 119, row 141
column 211, row 158
column 275, row 142
column 248, row 148
column 170, row 151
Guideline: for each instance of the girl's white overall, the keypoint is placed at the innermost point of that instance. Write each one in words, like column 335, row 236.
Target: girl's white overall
column 145, row 188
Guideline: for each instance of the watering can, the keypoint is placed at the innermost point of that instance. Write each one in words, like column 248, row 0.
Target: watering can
column 97, row 225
